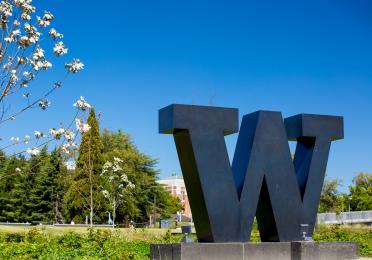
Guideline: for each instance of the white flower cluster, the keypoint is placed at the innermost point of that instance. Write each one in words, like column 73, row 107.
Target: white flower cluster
column 45, row 21
column 69, row 148
column 33, row 151
column 106, row 193
column 82, row 104
column 39, row 134
column 57, row 133
column 53, row 32
column 75, row 66
column 27, row 139
column 14, row 140
column 81, row 126
column 60, row 49
column 66, row 134
column 44, row 104
column 116, row 177
column 22, row 55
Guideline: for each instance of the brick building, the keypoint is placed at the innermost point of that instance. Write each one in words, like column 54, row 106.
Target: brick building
column 176, row 186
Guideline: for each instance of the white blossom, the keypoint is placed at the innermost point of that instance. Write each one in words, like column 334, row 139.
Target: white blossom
column 38, row 134
column 26, row 140
column 22, row 60
column 42, row 23
column 44, row 104
column 82, row 104
column 105, row 193
column 28, row 75
column 75, row 66
column 38, row 54
column 18, row 169
column 60, row 49
column 8, row 39
column 116, row 159
column 45, row 65
column 81, row 126
column 116, row 168
column 26, row 16
column 71, row 165
column 67, row 148
column 13, row 77
column 6, row 9
column 16, row 23
column 14, row 140
column 124, row 177
column 33, row 151
column 69, row 135
column 31, row 37
column 57, row 133
column 53, row 32
column 48, row 16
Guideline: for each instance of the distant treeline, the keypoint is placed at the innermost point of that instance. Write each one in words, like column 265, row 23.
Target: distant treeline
column 111, row 175
column 359, row 197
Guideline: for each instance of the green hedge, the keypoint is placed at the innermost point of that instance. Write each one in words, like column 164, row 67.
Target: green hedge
column 106, row 244
column 96, row 244
column 338, row 233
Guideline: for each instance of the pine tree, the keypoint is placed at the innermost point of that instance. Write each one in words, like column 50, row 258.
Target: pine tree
column 10, row 178
column 43, row 191
column 62, row 180
column 84, row 197
column 33, row 204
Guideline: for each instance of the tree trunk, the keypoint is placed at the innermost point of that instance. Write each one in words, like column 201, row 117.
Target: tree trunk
column 113, row 213
column 91, row 199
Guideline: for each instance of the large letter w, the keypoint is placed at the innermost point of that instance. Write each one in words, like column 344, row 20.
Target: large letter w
column 263, row 180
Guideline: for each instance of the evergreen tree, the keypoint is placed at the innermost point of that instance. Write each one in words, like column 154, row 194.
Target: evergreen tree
column 10, row 178
column 43, row 192
column 84, row 197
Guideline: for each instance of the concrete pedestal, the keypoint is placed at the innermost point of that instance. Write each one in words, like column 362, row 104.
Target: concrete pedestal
column 256, row 251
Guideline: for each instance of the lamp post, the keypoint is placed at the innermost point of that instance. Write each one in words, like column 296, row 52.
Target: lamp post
column 109, row 218
column 154, row 210
column 350, row 198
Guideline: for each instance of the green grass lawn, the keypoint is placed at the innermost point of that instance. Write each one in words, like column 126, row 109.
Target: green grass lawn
column 128, row 233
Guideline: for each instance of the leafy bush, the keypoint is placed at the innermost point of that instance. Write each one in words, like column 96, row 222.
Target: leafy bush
column 113, row 244
column 337, row 233
column 96, row 244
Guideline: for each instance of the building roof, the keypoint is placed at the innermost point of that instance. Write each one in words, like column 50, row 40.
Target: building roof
column 173, row 181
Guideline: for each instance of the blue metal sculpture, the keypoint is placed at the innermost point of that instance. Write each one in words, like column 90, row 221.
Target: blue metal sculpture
column 263, row 180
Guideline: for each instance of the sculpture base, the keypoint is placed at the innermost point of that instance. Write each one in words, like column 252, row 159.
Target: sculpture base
column 256, row 251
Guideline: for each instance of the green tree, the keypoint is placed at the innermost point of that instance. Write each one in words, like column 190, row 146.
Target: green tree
column 361, row 192
column 43, row 193
column 11, row 176
column 141, row 171
column 117, row 185
column 328, row 198
column 21, row 178
column 33, row 204
column 84, row 197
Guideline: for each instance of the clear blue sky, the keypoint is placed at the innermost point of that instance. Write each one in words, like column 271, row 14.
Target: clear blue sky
column 290, row 56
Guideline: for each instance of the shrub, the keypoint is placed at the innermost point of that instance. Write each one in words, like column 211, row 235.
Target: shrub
column 112, row 244
column 338, row 233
